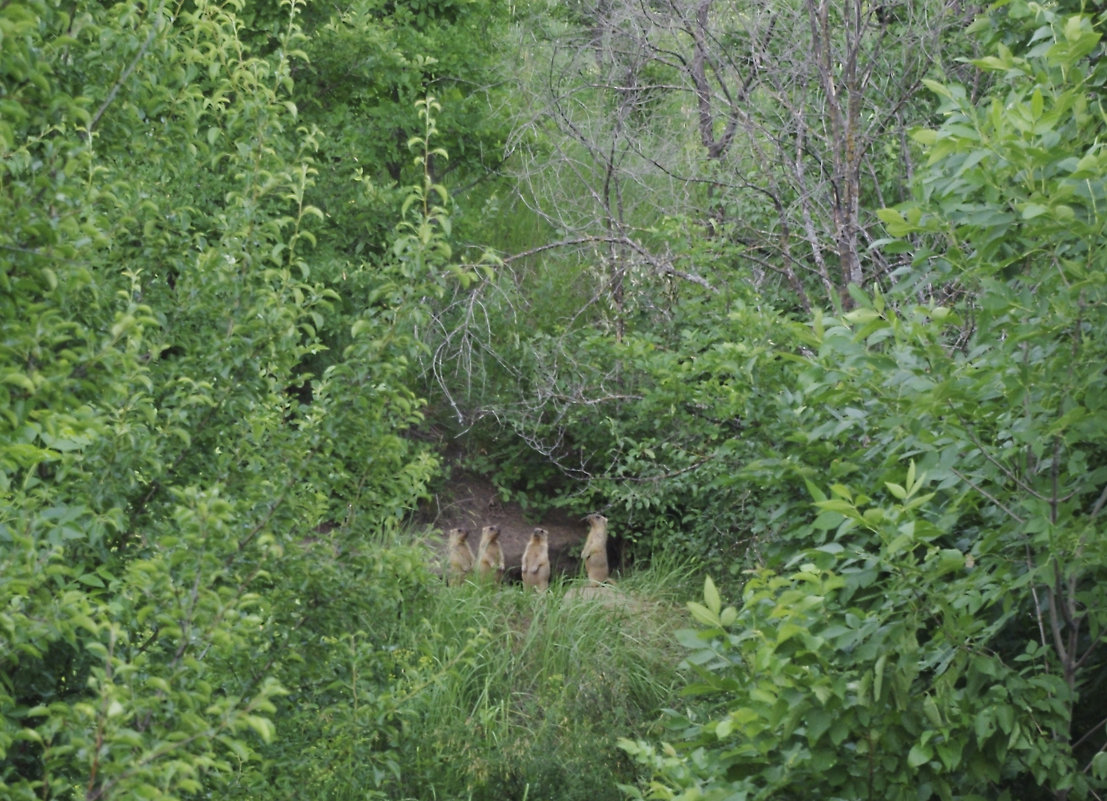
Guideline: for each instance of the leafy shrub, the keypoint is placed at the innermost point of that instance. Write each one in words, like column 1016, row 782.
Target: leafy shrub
column 941, row 632
column 163, row 454
column 861, row 674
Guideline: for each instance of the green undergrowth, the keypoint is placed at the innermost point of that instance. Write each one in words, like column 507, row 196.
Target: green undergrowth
column 534, row 690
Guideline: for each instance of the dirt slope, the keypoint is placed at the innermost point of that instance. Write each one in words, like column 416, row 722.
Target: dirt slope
column 469, row 501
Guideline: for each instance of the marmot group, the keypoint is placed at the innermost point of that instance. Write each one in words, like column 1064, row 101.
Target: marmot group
column 595, row 549
column 536, row 560
column 490, row 556
column 459, row 556
column 489, row 563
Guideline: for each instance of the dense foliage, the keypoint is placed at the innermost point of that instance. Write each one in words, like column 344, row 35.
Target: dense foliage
column 937, row 629
column 827, row 321
column 179, row 430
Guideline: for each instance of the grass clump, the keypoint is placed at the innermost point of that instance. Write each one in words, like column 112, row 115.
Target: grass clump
column 532, row 691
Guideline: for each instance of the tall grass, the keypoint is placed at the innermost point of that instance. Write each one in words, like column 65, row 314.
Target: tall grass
column 531, row 691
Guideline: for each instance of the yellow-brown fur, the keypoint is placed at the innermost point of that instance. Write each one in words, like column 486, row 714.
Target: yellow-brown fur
column 459, row 555
column 490, row 556
column 536, row 560
column 595, row 549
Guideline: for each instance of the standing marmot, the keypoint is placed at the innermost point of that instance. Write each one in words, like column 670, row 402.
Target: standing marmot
column 459, row 556
column 490, row 556
column 595, row 548
column 536, row 560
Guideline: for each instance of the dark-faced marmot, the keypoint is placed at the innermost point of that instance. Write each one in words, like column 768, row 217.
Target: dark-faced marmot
column 459, row 556
column 490, row 556
column 595, row 549
column 536, row 560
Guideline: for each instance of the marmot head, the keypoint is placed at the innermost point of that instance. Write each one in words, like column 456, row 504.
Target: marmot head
column 491, row 533
column 458, row 535
column 596, row 520
column 539, row 534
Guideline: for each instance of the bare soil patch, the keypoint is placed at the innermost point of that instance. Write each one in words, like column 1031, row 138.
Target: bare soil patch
column 471, row 501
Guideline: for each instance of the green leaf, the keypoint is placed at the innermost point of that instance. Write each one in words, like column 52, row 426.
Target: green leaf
column 939, row 89
column 1005, row 717
column 949, row 561
column 838, row 505
column 930, row 709
column 703, row 615
column 992, row 63
column 861, row 316
column 263, row 726
column 711, row 596
column 724, row 728
column 827, row 520
column 919, row 755
column 1076, row 27
column 787, row 631
column 950, row 754
column 874, row 516
column 1099, row 765
column 925, row 137
column 814, row 490
column 891, row 217
column 20, row 380
column 819, row 721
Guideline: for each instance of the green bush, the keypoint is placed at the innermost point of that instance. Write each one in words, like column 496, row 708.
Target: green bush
column 164, row 454
column 862, row 674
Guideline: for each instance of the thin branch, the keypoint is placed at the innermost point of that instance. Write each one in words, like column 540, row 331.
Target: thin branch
column 663, row 476
column 1098, row 506
column 987, row 495
column 1037, row 601
column 1090, row 650
column 1007, row 471
column 127, row 72
column 1093, row 730
column 1088, row 767
column 648, row 256
column 1058, row 643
